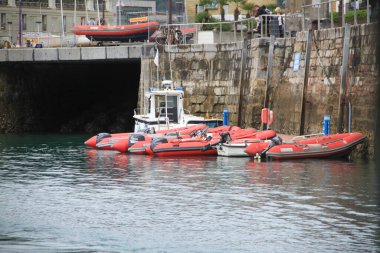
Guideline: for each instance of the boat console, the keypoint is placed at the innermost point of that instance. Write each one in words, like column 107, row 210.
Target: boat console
column 163, row 109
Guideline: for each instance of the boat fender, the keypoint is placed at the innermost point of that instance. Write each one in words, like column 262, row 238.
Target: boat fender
column 135, row 138
column 101, row 136
column 156, row 141
column 267, row 116
column 271, row 117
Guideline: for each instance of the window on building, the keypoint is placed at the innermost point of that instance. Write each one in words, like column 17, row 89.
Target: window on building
column 44, row 23
column 3, row 21
column 125, row 13
column 82, row 20
column 213, row 5
column 24, row 22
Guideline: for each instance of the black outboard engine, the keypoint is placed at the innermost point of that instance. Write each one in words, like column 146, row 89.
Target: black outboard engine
column 156, row 141
column 274, row 141
column 225, row 137
column 277, row 140
column 135, row 138
column 101, row 136
column 148, row 130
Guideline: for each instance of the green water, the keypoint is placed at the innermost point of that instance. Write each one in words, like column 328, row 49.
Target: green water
column 58, row 196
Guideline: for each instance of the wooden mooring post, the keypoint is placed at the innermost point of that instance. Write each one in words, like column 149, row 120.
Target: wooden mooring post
column 243, row 70
column 343, row 83
column 305, row 83
column 269, row 75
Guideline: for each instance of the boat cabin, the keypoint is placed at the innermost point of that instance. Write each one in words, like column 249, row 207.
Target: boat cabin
column 163, row 109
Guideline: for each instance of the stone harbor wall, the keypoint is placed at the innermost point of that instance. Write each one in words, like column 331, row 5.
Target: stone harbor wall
column 234, row 77
column 210, row 75
column 324, row 83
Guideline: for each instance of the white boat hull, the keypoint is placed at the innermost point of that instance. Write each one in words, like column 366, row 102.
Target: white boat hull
column 236, row 150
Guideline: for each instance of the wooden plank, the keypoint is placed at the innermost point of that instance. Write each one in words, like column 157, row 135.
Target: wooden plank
column 305, row 83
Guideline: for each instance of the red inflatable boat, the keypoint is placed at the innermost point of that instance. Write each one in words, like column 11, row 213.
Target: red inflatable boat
column 184, row 147
column 123, row 145
column 105, row 140
column 133, row 32
column 335, row 145
column 120, row 141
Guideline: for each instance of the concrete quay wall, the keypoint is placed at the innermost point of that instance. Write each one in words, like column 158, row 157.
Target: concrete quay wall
column 73, row 54
column 233, row 77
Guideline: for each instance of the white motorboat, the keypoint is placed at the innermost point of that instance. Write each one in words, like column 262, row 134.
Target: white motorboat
column 237, row 147
column 163, row 109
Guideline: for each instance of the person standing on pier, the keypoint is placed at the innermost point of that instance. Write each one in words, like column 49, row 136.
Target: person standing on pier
column 280, row 21
column 262, row 20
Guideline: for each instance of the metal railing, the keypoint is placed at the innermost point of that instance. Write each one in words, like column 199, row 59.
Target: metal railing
column 218, row 32
column 71, row 6
column 288, row 25
column 229, row 31
column 270, row 24
column 27, row 4
column 320, row 13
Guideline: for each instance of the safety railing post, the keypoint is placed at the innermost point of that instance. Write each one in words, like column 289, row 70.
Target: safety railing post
column 319, row 18
column 235, row 26
column 355, row 14
column 241, row 30
column 303, row 19
column 196, row 32
column 368, row 14
column 220, row 32
column 331, row 16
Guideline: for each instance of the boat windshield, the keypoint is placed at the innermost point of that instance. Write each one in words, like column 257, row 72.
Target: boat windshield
column 171, row 109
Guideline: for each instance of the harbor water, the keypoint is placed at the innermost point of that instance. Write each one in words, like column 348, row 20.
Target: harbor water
column 58, row 196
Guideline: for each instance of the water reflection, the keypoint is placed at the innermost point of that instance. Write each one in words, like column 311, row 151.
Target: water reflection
column 57, row 196
column 315, row 171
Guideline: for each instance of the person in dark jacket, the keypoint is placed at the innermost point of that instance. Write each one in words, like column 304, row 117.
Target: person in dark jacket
column 262, row 20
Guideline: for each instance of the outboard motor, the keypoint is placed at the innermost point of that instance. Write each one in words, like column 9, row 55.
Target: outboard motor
column 274, row 141
column 225, row 137
column 135, row 138
column 156, row 141
column 101, row 136
column 148, row 130
column 277, row 140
